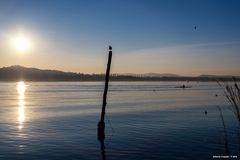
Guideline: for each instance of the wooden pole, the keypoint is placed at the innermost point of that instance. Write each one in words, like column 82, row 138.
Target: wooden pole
column 101, row 123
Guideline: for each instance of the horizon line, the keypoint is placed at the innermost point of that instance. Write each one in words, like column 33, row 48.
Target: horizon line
column 127, row 74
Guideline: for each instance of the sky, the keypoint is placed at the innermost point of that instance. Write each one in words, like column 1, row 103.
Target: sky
column 146, row 35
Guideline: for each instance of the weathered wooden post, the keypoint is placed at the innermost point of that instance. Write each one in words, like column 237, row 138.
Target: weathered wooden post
column 101, row 123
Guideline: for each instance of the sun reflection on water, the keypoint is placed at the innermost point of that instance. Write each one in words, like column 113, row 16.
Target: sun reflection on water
column 21, row 88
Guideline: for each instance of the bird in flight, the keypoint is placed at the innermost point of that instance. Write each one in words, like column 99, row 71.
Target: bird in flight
column 195, row 27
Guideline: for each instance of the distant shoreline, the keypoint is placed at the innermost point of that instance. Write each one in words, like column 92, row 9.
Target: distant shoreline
column 19, row 73
column 125, row 80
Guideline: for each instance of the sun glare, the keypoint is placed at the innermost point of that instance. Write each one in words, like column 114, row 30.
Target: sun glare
column 21, row 88
column 21, row 43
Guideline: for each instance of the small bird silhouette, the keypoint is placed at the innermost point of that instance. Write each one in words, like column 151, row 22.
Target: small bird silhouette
column 195, row 27
column 205, row 112
column 110, row 47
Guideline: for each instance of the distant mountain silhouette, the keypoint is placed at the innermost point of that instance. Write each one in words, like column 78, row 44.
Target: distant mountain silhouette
column 216, row 76
column 151, row 75
column 160, row 75
column 17, row 73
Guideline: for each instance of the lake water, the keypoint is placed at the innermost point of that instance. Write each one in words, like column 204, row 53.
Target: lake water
column 144, row 120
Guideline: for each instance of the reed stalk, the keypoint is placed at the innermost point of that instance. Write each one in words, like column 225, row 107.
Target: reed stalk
column 232, row 93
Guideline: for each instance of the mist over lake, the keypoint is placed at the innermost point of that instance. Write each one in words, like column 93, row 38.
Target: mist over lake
column 144, row 120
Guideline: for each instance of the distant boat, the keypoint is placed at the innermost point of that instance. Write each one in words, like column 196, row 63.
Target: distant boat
column 183, row 86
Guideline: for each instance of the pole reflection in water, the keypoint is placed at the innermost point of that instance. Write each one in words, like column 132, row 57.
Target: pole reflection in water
column 21, row 88
column 103, row 152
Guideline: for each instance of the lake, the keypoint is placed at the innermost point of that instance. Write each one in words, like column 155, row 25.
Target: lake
column 144, row 120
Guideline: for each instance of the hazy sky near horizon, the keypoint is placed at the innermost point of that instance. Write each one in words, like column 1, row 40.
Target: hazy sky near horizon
column 146, row 35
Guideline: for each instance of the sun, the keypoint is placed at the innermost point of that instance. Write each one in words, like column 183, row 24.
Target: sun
column 21, row 43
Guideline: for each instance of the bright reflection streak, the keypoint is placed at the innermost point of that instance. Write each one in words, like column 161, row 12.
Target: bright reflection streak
column 21, row 88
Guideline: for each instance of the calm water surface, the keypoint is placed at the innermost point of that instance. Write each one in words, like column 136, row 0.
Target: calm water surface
column 144, row 120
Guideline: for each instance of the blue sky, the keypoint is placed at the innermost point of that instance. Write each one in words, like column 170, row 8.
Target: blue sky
column 146, row 35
